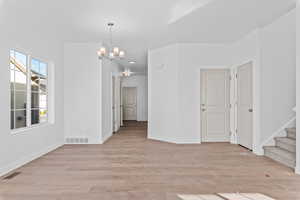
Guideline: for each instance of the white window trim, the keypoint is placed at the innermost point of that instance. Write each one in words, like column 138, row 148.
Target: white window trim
column 50, row 118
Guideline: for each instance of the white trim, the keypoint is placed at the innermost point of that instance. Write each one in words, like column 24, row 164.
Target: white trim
column 51, row 92
column 112, row 100
column 29, row 125
column 106, row 137
column 149, row 129
column 184, row 141
column 19, row 163
column 160, row 139
column 100, row 138
column 26, row 129
column 28, row 92
column 279, row 133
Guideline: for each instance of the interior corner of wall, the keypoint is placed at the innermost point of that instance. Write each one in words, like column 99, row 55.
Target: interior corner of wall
column 258, row 150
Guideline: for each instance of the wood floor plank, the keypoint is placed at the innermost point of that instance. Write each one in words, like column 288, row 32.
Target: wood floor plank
column 129, row 167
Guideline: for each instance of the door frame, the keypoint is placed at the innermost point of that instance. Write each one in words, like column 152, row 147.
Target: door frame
column 200, row 93
column 115, row 108
column 113, row 103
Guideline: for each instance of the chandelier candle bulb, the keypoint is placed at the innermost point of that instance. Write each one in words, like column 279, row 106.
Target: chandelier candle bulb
column 116, row 51
column 122, row 54
column 101, row 52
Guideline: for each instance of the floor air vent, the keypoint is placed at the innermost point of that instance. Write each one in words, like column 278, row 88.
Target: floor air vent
column 77, row 140
column 11, row 176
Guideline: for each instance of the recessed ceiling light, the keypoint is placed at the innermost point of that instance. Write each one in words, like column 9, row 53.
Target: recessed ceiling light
column 132, row 62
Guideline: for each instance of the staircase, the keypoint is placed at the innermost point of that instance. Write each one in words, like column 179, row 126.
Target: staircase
column 284, row 150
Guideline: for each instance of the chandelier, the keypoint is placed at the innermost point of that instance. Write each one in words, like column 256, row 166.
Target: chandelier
column 112, row 52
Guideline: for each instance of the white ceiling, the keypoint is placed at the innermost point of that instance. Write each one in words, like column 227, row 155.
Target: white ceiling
column 144, row 24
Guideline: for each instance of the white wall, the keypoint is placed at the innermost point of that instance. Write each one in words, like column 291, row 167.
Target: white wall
column 109, row 69
column 272, row 50
column 174, row 89
column 278, row 68
column 193, row 58
column 82, row 83
column 141, row 83
column 20, row 148
column 244, row 51
column 163, row 94
column 298, row 87
column 88, row 93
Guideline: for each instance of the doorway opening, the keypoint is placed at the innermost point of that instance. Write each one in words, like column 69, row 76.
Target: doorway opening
column 129, row 103
column 130, row 123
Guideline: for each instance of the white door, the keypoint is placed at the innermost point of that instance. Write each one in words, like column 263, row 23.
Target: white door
column 130, row 103
column 245, row 106
column 215, row 102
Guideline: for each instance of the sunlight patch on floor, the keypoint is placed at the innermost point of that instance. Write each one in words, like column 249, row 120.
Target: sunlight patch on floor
column 226, row 196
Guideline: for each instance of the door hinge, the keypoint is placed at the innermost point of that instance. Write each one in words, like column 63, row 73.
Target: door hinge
column 236, row 75
column 236, row 130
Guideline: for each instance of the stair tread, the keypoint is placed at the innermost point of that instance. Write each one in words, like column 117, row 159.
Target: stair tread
column 286, row 140
column 281, row 152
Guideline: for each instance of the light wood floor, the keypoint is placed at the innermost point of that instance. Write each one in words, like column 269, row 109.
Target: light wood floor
column 130, row 167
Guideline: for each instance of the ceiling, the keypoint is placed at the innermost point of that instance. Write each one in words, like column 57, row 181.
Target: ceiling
column 144, row 24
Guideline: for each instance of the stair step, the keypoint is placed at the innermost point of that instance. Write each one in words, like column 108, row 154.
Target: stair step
column 286, row 143
column 291, row 133
column 282, row 156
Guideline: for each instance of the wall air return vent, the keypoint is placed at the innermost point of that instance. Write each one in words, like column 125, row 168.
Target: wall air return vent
column 77, row 140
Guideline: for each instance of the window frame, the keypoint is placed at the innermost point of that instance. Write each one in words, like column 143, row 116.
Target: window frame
column 28, row 91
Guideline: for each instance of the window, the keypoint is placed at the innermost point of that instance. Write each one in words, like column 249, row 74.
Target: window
column 29, row 90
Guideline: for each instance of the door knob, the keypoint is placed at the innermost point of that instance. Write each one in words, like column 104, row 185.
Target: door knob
column 251, row 110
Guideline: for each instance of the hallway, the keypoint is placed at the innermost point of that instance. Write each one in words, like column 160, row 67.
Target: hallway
column 130, row 167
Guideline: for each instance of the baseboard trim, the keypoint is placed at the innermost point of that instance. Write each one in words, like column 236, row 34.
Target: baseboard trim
column 106, row 137
column 175, row 141
column 19, row 163
column 259, row 151
column 161, row 139
column 193, row 141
